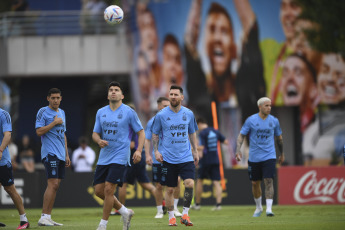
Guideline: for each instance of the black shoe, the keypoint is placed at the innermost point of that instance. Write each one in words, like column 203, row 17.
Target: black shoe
column 2, row 225
column 165, row 210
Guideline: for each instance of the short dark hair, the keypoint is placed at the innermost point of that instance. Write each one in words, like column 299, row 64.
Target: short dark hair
column 114, row 83
column 53, row 91
column 160, row 99
column 217, row 8
column 177, row 87
column 201, row 120
column 171, row 39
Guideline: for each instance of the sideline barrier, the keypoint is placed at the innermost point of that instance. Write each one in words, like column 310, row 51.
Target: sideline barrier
column 311, row 185
column 76, row 191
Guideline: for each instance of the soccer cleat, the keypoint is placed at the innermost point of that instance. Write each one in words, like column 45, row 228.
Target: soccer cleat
column 23, row 225
column 55, row 223
column 115, row 213
column 195, row 207
column 45, row 222
column 159, row 215
column 270, row 214
column 177, row 213
column 102, row 227
column 257, row 213
column 172, row 222
column 2, row 225
column 127, row 219
column 185, row 220
column 217, row 208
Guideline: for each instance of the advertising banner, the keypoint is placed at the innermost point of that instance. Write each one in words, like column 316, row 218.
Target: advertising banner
column 311, row 185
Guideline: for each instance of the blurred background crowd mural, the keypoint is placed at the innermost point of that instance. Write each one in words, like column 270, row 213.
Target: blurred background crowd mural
column 230, row 52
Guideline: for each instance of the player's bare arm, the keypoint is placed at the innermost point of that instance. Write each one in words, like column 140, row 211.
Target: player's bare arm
column 97, row 139
column 148, row 152
column 279, row 141
column 192, row 138
column 239, row 143
column 137, row 153
column 5, row 141
column 68, row 161
column 155, row 141
column 43, row 130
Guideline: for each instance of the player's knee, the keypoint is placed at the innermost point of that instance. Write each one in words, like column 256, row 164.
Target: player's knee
column 99, row 193
column 189, row 183
column 10, row 189
column 170, row 190
column 256, row 183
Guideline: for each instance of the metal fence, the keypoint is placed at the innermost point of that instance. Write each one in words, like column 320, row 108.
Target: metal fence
column 47, row 23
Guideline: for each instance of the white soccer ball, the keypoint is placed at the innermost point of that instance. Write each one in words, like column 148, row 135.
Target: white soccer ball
column 113, row 15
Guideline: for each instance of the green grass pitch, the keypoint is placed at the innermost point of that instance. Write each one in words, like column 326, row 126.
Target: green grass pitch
column 304, row 217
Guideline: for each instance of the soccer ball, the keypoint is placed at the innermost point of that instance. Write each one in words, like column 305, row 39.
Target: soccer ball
column 113, row 15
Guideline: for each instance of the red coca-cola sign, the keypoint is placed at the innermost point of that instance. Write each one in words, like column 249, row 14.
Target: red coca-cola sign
column 311, row 185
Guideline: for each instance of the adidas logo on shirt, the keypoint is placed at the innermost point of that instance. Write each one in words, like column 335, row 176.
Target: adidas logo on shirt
column 168, row 119
column 104, row 115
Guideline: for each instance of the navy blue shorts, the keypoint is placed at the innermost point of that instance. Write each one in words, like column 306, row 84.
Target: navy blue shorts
column 170, row 172
column 136, row 172
column 209, row 172
column 264, row 169
column 6, row 176
column 157, row 173
column 112, row 173
column 55, row 168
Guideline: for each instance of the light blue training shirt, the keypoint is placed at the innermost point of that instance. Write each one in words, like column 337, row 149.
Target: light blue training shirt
column 5, row 126
column 261, row 137
column 174, row 129
column 117, row 128
column 53, row 142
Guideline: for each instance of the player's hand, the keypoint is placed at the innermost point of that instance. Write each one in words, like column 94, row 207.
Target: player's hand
column 102, row 143
column 1, row 153
column 58, row 120
column 196, row 159
column 67, row 162
column 159, row 157
column 136, row 157
column 239, row 156
column 149, row 160
column 281, row 159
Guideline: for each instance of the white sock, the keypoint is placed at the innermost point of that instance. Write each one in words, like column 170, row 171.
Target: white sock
column 23, row 217
column 45, row 216
column 258, row 203
column 160, row 208
column 185, row 211
column 269, row 205
column 123, row 210
column 171, row 214
column 103, row 222
column 175, row 203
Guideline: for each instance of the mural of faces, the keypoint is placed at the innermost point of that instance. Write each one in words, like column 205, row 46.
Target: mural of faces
column 289, row 12
column 331, row 79
column 297, row 82
column 148, row 36
column 219, row 42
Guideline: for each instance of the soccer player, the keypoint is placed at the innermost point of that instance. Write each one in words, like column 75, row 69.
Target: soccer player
column 6, row 177
column 112, row 131
column 51, row 127
column 177, row 126
column 162, row 102
column 263, row 129
column 209, row 162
